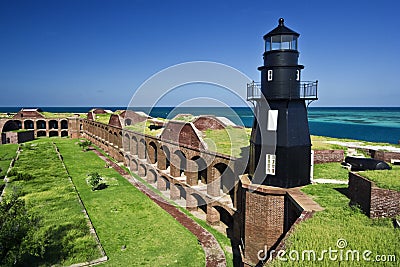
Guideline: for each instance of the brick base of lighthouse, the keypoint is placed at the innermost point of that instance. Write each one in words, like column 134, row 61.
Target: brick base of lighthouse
column 269, row 212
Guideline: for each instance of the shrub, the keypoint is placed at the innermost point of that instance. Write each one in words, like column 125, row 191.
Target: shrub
column 96, row 182
column 85, row 144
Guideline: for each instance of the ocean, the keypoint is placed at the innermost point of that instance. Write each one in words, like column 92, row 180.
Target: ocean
column 376, row 124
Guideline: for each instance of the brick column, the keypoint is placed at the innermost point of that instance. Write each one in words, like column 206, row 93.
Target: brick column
column 175, row 170
column 213, row 183
column 191, row 202
column 161, row 184
column 174, row 193
column 212, row 217
column 191, row 172
column 161, row 160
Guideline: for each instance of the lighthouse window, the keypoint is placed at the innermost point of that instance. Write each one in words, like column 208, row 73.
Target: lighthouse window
column 298, row 75
column 270, row 164
column 272, row 120
column 269, row 75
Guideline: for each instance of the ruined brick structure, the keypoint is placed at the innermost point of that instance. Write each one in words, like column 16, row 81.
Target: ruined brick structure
column 177, row 162
column 375, row 202
column 32, row 119
column 17, row 137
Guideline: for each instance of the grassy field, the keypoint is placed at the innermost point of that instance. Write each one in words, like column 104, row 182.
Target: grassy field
column 7, row 153
column 331, row 170
column 229, row 141
column 388, row 179
column 132, row 229
column 339, row 221
column 63, row 236
column 103, row 118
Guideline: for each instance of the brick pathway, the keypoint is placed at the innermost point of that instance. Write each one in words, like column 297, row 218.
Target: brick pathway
column 214, row 254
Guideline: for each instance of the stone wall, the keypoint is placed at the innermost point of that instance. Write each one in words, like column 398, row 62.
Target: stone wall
column 324, row 156
column 374, row 201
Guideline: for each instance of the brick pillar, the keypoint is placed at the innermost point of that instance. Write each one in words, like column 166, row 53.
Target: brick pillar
column 161, row 160
column 175, row 170
column 174, row 193
column 161, row 184
column 191, row 202
column 141, row 150
column 191, row 172
column 212, row 217
column 213, row 182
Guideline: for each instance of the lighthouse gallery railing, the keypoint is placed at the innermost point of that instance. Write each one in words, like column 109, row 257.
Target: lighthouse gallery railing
column 308, row 90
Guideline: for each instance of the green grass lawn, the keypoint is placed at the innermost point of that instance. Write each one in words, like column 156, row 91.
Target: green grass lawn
column 63, row 236
column 331, row 170
column 229, row 141
column 339, row 221
column 388, row 179
column 123, row 216
column 7, row 153
column 103, row 118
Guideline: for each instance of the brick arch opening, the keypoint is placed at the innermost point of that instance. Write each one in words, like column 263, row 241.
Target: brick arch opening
column 53, row 124
column 142, row 149
column 134, row 165
column 134, row 145
column 142, row 170
column 227, row 219
column 226, row 177
column 28, row 124
column 127, row 143
column 10, row 126
column 41, row 124
column 201, row 169
column 64, row 124
column 19, row 123
column 201, row 202
column 182, row 161
column 53, row 133
column 64, row 133
column 167, row 154
column 152, row 152
column 128, row 122
column 182, row 191
column 151, row 176
column 115, row 139
column 41, row 133
column 127, row 161
column 163, row 183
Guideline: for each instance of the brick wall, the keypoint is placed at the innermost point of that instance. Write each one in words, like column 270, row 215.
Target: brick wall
column 384, row 203
column 374, row 201
column 386, row 155
column 208, row 122
column 324, row 156
column 25, row 136
column 264, row 222
column 360, row 192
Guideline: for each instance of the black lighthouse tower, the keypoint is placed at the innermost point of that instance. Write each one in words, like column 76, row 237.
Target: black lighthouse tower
column 280, row 145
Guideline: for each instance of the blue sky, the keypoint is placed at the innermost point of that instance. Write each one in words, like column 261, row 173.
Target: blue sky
column 97, row 53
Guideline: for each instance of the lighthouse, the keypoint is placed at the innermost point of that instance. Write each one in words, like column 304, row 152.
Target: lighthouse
column 280, row 145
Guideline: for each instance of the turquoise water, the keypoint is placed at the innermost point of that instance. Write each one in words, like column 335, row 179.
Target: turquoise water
column 378, row 124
